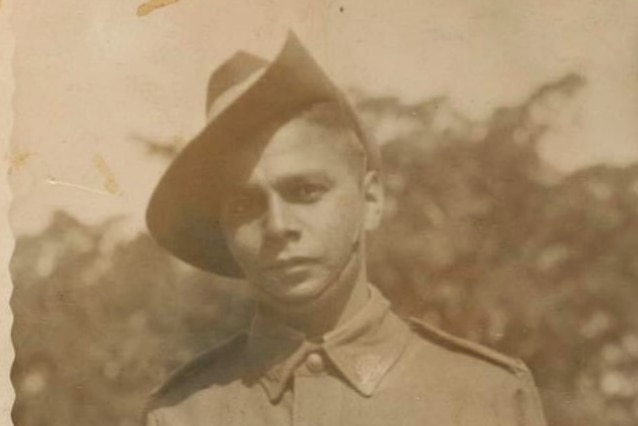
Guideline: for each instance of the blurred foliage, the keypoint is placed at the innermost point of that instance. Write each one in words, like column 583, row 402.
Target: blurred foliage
column 481, row 237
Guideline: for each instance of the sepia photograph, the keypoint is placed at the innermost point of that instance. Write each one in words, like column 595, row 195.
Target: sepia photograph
column 323, row 212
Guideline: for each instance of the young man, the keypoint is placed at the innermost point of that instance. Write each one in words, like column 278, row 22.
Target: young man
column 280, row 188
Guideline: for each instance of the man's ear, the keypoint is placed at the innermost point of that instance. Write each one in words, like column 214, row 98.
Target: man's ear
column 374, row 198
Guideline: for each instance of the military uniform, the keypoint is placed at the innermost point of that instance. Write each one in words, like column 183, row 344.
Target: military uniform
column 374, row 370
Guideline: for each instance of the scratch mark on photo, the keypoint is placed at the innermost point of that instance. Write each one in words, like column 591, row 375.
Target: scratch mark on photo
column 151, row 5
column 110, row 183
column 20, row 159
column 54, row 181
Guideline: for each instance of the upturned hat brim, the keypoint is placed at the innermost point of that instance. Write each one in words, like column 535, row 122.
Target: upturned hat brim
column 182, row 214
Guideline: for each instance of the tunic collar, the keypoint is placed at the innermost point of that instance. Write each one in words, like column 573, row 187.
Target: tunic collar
column 363, row 349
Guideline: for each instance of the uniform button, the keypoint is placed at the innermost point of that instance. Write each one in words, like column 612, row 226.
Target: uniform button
column 314, row 363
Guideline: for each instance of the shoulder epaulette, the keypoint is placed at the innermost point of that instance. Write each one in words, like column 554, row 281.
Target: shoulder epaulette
column 205, row 359
column 458, row 344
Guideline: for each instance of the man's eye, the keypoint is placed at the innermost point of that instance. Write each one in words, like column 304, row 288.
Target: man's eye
column 307, row 193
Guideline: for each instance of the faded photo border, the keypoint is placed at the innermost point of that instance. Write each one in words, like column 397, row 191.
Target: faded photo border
column 557, row 81
column 6, row 239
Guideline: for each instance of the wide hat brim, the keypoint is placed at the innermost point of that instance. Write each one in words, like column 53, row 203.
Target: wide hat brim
column 183, row 212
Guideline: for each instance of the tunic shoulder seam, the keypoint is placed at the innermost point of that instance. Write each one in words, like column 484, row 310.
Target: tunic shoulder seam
column 445, row 339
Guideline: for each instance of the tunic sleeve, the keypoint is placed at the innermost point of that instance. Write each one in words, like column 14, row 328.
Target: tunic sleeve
column 516, row 399
column 529, row 407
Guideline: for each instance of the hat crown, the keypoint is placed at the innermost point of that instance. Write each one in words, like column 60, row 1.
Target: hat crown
column 230, row 80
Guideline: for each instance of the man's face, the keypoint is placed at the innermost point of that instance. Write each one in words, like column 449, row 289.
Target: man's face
column 295, row 221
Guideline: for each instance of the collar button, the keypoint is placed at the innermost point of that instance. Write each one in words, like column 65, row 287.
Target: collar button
column 315, row 363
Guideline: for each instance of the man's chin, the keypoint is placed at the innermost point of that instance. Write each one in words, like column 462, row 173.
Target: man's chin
column 293, row 296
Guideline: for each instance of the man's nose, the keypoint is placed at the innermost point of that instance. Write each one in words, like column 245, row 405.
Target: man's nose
column 279, row 221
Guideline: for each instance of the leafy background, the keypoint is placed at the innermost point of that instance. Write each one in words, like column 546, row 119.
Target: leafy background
column 481, row 237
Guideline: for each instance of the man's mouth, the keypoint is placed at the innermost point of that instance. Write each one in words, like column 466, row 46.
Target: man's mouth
column 289, row 264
